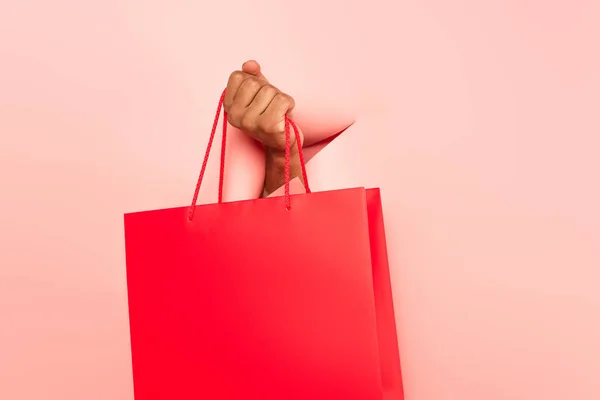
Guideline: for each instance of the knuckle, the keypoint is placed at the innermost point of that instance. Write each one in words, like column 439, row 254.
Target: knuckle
column 234, row 116
column 270, row 90
column 291, row 101
column 236, row 76
column 248, row 123
column 280, row 98
column 252, row 84
column 284, row 100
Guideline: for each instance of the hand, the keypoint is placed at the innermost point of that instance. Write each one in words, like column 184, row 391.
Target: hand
column 258, row 108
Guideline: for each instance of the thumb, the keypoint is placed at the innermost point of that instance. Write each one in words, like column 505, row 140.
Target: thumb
column 253, row 68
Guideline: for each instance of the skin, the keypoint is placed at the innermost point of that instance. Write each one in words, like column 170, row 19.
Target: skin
column 258, row 108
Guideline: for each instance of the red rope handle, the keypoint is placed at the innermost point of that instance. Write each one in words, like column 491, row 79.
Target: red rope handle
column 288, row 123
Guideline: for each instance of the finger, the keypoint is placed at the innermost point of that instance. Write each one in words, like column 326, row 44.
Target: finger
column 280, row 106
column 253, row 68
column 263, row 99
column 247, row 92
column 272, row 121
column 235, row 81
column 250, row 120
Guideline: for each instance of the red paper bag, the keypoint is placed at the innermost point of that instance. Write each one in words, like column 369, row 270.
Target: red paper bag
column 277, row 298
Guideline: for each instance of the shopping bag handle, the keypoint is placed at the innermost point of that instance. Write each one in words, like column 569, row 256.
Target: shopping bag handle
column 288, row 123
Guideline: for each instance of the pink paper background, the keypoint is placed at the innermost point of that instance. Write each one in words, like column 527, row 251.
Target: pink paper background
column 478, row 119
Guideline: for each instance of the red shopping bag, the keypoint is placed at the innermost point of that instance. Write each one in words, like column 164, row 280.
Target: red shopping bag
column 277, row 298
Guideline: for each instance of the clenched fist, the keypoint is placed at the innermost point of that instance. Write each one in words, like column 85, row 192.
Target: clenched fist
column 258, row 108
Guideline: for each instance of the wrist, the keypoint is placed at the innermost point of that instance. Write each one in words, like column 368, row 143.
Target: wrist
column 277, row 156
column 275, row 168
